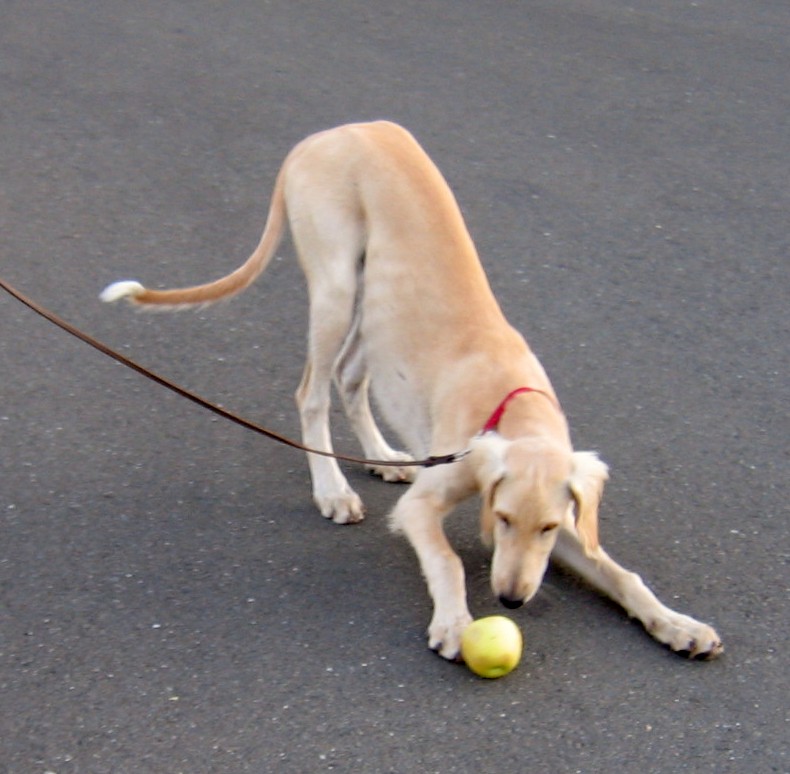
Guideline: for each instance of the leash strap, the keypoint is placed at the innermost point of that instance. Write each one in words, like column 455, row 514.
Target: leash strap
column 429, row 462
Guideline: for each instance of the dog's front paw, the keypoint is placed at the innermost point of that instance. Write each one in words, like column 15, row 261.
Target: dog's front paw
column 684, row 634
column 343, row 508
column 444, row 635
column 395, row 473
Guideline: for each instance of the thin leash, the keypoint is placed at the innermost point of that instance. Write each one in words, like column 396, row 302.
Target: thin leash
column 428, row 462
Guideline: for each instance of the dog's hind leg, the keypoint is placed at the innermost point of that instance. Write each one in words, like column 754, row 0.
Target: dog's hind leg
column 353, row 383
column 330, row 244
column 330, row 319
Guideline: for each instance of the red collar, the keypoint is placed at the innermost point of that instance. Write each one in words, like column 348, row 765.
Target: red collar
column 495, row 418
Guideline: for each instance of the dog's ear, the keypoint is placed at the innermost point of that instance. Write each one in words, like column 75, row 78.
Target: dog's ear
column 488, row 462
column 487, row 456
column 586, row 486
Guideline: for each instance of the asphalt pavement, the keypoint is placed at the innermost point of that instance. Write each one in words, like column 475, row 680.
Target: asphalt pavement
column 170, row 599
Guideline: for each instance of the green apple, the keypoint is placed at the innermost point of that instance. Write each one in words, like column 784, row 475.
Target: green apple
column 491, row 647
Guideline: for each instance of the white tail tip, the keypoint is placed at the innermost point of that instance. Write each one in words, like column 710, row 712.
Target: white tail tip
column 118, row 290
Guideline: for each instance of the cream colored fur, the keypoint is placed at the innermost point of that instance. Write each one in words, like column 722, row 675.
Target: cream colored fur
column 399, row 303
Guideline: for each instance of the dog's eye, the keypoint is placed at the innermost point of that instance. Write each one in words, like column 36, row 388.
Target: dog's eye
column 546, row 529
column 505, row 520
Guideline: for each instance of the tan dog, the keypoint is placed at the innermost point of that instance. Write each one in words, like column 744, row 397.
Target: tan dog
column 399, row 302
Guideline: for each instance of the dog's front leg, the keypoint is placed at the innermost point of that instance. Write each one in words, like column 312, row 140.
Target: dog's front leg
column 419, row 515
column 680, row 632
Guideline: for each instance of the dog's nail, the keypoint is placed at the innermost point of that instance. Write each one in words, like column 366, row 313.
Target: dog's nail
column 715, row 649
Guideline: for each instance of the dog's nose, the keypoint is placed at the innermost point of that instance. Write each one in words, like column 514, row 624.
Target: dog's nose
column 511, row 604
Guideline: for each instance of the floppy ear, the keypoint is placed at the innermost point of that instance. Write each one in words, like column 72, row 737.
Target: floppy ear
column 586, row 485
column 488, row 462
column 487, row 455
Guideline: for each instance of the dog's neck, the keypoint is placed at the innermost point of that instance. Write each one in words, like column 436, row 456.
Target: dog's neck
column 496, row 416
column 528, row 412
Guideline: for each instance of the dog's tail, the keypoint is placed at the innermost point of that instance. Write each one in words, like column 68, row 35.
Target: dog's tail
column 230, row 285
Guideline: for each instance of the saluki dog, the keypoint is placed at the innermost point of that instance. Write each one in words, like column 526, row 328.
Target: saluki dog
column 399, row 303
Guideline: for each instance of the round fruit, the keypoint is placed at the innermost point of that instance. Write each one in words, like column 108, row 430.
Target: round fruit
column 491, row 647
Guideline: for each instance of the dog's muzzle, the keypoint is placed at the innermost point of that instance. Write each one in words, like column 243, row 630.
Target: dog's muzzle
column 511, row 604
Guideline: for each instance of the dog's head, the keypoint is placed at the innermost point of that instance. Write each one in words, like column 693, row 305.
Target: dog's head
column 531, row 488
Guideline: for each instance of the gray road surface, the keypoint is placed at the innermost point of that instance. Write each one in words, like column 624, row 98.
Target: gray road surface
column 171, row 602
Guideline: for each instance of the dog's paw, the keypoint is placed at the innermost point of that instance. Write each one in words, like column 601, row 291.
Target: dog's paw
column 343, row 508
column 444, row 636
column 395, row 473
column 686, row 635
